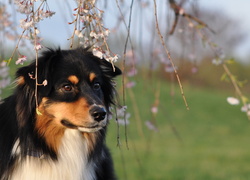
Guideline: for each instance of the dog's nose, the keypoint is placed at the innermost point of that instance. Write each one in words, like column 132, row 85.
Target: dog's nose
column 98, row 113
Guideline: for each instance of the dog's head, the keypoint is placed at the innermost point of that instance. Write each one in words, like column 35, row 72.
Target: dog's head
column 74, row 90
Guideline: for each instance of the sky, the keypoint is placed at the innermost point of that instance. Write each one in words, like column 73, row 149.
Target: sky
column 238, row 10
column 54, row 30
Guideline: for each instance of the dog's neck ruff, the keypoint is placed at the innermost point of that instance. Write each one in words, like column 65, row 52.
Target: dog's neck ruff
column 72, row 162
column 37, row 154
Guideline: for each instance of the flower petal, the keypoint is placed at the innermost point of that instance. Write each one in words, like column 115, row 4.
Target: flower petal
column 233, row 101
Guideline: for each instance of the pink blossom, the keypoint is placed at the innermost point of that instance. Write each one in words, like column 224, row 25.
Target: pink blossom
column 192, row 56
column 217, row 61
column 23, row 7
column 151, row 126
column 132, row 72
column 26, row 24
column 194, row 70
column 122, row 116
column 21, row 59
column 97, row 53
column 45, row 82
column 245, row 108
column 110, row 58
column 38, row 46
column 121, row 110
column 169, row 69
column 49, row 14
column 154, row 109
column 130, row 84
column 123, row 121
column 181, row 11
column 106, row 32
column 79, row 33
column 93, row 34
column 233, row 101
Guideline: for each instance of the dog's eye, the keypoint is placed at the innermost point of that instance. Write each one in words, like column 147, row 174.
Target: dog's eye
column 67, row 87
column 96, row 86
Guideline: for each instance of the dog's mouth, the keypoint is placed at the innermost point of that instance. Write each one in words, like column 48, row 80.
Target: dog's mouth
column 88, row 128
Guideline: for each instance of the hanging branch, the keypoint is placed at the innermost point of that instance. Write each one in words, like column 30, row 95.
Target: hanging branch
column 238, row 91
column 169, row 57
column 220, row 60
column 124, row 58
column 75, row 21
column 179, row 11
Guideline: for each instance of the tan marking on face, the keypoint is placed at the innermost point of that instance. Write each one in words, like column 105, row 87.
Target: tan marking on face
column 49, row 123
column 76, row 112
column 92, row 76
column 73, row 79
column 51, row 130
column 20, row 80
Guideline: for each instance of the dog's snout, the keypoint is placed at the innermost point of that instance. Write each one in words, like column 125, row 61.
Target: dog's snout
column 98, row 113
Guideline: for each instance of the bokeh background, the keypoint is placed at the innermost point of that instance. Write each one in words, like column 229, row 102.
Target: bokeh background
column 158, row 137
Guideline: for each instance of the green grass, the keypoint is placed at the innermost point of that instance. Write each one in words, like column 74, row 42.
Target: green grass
column 210, row 141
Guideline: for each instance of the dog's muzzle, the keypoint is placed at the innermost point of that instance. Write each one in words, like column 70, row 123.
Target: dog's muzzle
column 98, row 113
column 97, row 120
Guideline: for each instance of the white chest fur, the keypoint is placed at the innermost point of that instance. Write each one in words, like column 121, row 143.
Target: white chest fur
column 71, row 164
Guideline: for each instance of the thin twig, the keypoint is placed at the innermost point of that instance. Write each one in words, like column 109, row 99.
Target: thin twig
column 36, row 60
column 16, row 47
column 75, row 21
column 169, row 57
column 124, row 58
column 118, row 128
column 236, row 87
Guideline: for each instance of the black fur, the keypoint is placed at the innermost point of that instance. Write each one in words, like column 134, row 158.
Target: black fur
column 18, row 112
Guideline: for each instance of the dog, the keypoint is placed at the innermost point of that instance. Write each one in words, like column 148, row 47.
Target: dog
column 54, row 124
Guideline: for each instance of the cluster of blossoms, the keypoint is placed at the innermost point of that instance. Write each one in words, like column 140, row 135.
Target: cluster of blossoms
column 33, row 16
column 221, row 60
column 235, row 101
column 90, row 30
column 131, row 60
column 122, row 115
column 151, row 126
column 6, row 25
column 29, row 24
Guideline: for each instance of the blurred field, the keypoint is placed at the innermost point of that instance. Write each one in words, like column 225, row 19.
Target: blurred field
column 210, row 141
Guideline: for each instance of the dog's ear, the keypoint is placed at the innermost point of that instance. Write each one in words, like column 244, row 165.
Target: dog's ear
column 109, row 69
column 26, row 85
column 26, row 76
column 109, row 72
